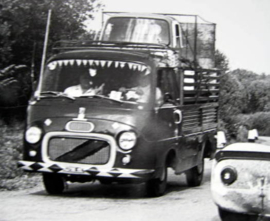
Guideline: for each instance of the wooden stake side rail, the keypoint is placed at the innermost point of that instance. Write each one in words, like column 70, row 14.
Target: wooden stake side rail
column 200, row 86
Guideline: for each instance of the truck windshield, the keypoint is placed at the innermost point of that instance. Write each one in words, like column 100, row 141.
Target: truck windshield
column 140, row 30
column 118, row 80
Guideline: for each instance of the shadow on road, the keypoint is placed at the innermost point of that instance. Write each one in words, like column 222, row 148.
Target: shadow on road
column 176, row 183
column 113, row 191
column 116, row 191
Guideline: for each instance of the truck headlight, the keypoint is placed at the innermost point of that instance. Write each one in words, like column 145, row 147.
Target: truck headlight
column 127, row 140
column 33, row 135
column 228, row 175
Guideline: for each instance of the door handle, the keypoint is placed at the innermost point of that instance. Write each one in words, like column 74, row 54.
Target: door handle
column 177, row 116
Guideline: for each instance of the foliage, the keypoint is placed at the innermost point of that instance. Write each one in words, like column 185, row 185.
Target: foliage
column 257, row 88
column 15, row 90
column 12, row 177
column 11, row 147
column 232, row 96
column 22, row 31
column 23, row 25
column 259, row 96
column 15, row 85
column 221, row 61
column 258, row 120
column 244, row 101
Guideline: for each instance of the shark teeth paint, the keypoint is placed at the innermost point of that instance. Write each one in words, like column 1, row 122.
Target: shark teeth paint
column 97, row 63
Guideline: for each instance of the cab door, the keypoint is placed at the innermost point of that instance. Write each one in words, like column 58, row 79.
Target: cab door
column 168, row 111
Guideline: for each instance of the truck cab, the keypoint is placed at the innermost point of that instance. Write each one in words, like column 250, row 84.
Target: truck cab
column 191, row 38
column 139, row 28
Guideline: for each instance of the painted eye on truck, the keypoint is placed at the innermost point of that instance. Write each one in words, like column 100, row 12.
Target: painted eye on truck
column 33, row 135
column 228, row 175
column 127, row 140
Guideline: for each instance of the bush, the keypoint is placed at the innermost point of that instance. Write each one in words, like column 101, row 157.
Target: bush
column 233, row 97
column 236, row 127
column 12, row 177
column 259, row 121
column 234, row 130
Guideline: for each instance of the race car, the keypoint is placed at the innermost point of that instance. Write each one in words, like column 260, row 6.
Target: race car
column 240, row 181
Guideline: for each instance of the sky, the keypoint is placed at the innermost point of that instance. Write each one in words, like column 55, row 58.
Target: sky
column 242, row 31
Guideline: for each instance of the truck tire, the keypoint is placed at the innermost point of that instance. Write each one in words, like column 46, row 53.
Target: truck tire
column 157, row 187
column 194, row 175
column 53, row 183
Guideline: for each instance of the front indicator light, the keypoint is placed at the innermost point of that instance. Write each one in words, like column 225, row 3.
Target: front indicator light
column 32, row 153
column 33, row 135
column 127, row 140
column 228, row 175
column 126, row 159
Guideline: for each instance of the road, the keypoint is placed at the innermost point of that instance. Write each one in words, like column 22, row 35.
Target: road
column 96, row 202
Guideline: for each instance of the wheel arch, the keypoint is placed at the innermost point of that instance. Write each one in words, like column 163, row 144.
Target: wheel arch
column 171, row 158
column 209, row 148
column 167, row 157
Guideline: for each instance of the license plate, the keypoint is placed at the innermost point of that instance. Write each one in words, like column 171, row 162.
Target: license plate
column 74, row 170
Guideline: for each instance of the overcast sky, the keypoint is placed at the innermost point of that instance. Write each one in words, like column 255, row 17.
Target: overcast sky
column 243, row 26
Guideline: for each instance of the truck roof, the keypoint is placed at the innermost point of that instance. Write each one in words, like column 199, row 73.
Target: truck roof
column 142, row 15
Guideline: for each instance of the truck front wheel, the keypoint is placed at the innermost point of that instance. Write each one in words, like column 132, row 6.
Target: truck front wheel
column 157, row 187
column 53, row 183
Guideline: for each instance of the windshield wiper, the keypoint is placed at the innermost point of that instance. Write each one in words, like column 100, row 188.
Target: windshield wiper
column 55, row 94
column 49, row 93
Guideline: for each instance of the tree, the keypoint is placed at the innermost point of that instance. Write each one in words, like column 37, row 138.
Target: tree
column 232, row 96
column 221, row 61
column 259, row 96
column 23, row 25
column 257, row 88
column 22, row 30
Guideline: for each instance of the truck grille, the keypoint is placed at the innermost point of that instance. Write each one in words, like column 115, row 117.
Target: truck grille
column 78, row 150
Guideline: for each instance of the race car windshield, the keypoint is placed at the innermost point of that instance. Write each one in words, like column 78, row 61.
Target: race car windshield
column 139, row 30
column 118, row 80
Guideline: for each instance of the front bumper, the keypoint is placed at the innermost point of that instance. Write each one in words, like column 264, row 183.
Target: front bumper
column 94, row 172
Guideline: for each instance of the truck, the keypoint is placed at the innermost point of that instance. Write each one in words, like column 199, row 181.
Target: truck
column 152, row 105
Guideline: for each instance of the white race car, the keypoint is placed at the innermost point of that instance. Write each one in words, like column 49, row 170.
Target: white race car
column 240, row 182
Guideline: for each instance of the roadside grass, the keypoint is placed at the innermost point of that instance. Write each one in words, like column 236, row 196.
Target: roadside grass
column 11, row 177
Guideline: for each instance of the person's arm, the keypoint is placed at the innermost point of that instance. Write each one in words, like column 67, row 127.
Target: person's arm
column 159, row 96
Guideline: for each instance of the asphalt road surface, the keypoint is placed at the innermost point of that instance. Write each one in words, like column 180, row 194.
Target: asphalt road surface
column 96, row 202
column 93, row 201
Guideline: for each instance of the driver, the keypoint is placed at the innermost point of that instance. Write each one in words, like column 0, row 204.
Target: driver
column 86, row 87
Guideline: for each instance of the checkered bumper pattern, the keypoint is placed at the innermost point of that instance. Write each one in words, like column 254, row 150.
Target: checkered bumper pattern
column 78, row 169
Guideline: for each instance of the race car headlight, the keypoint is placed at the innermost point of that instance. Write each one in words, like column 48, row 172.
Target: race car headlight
column 228, row 175
column 127, row 140
column 33, row 135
